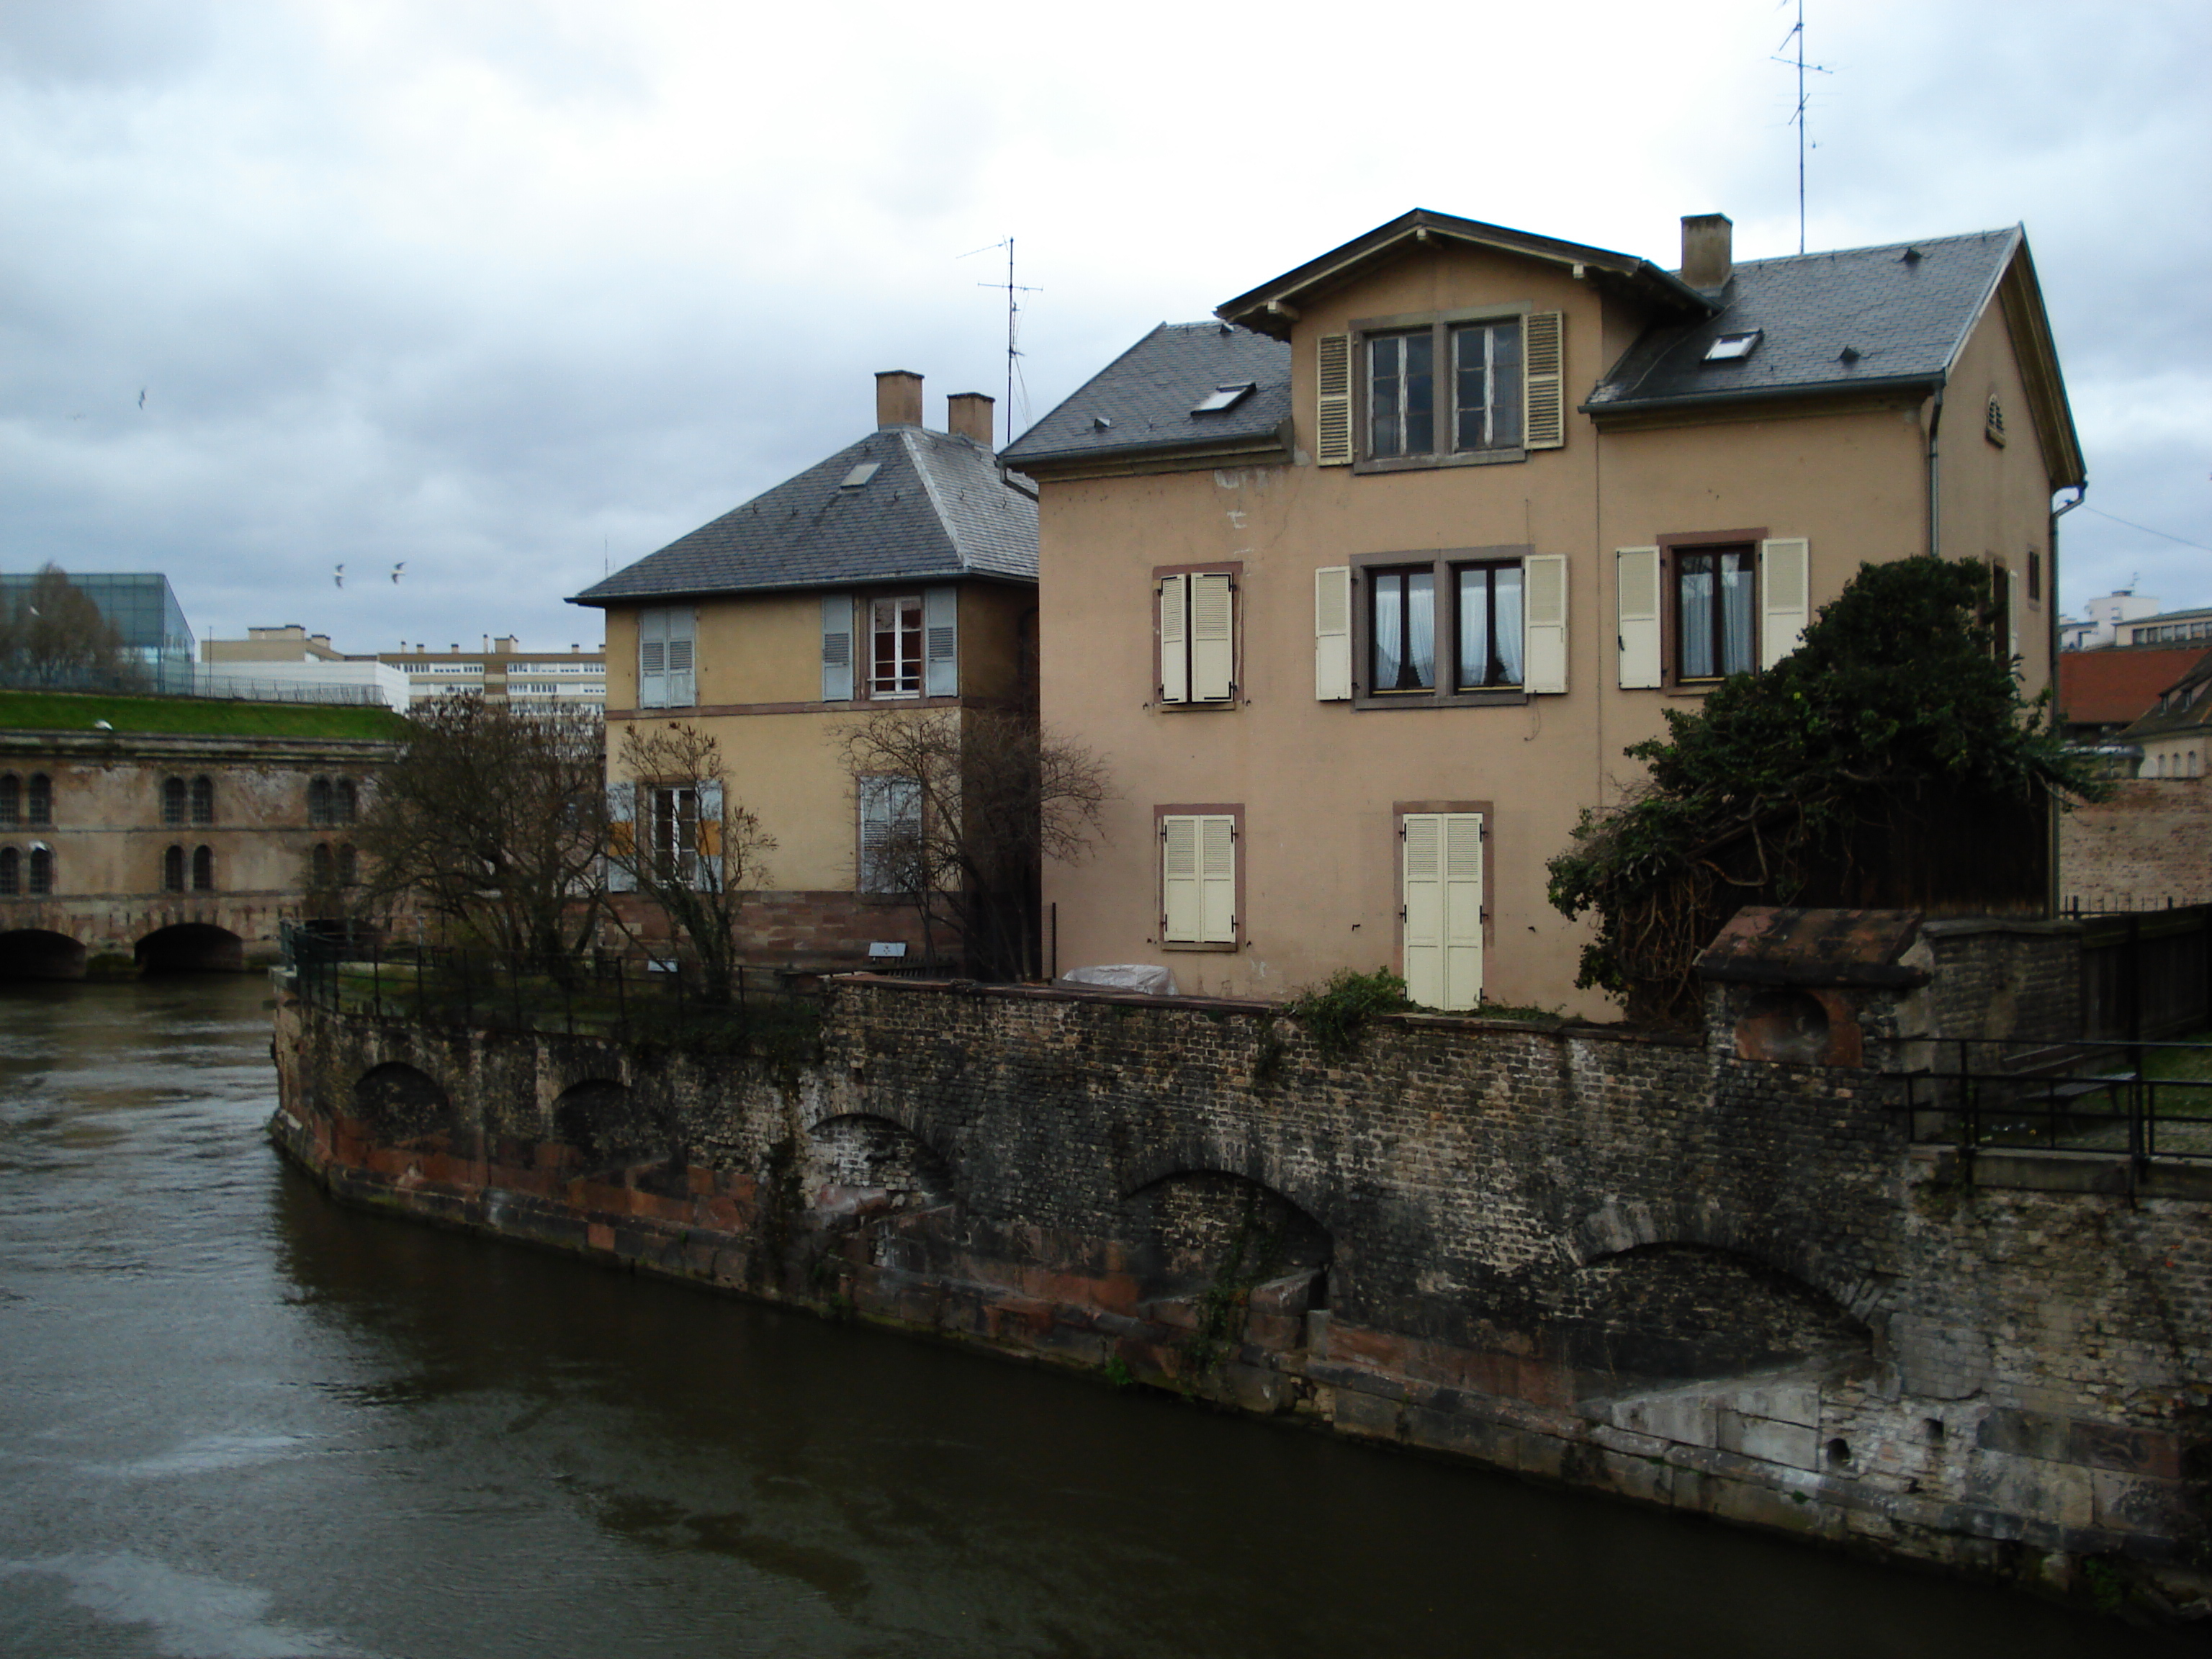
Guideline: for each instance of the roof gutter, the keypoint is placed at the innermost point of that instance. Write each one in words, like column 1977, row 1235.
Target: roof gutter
column 1936, row 478
column 1275, row 444
column 2053, row 896
column 1598, row 411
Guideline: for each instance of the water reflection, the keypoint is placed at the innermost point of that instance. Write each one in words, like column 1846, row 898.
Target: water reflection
column 244, row 1421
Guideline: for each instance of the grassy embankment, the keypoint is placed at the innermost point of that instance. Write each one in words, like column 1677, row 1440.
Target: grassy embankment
column 76, row 711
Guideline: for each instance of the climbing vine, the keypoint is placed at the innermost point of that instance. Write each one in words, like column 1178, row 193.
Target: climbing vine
column 1890, row 760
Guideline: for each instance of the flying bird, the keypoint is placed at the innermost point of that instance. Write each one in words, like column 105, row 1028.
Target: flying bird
column 340, row 578
column 397, row 568
column 101, row 726
column 142, row 397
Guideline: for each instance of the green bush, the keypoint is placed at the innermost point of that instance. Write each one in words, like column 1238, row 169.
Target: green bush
column 1335, row 1014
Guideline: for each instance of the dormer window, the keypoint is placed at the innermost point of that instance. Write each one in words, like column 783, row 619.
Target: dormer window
column 1223, row 397
column 1733, row 348
column 860, row 475
column 1458, row 389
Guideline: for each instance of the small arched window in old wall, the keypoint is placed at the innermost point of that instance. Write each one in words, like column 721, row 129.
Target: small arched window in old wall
column 203, row 870
column 320, row 864
column 11, row 872
column 318, row 800
column 345, row 801
column 203, row 800
column 11, row 800
column 39, row 805
column 42, row 872
column 349, row 866
column 172, row 802
column 173, row 870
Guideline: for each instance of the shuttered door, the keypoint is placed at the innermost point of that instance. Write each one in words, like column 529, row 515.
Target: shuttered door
column 1213, row 639
column 1442, row 887
column 1635, row 590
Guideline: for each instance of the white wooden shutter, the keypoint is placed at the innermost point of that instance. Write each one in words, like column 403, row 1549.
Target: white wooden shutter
column 837, row 647
column 622, row 837
column 1179, row 893
column 1174, row 639
column 1333, row 633
column 1332, row 410
column 1463, row 881
column 1544, row 599
column 683, row 626
column 940, row 621
column 1217, row 879
column 1422, row 892
column 707, row 869
column 653, row 659
column 1213, row 639
column 1544, row 358
column 1636, row 596
column 2012, row 618
column 1782, row 581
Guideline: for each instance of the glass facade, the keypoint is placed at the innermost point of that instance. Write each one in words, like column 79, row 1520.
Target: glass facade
column 141, row 608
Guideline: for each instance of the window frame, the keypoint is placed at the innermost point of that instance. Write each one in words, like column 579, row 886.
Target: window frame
column 203, row 801
column 203, row 869
column 39, row 801
column 11, row 872
column 679, row 863
column 11, row 800
column 1671, row 547
column 864, row 787
column 176, row 802
column 1443, row 377
column 175, row 875
column 39, row 876
column 1444, row 564
column 1238, row 919
column 1232, row 568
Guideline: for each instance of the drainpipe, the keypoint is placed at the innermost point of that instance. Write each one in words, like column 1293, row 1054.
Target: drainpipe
column 2051, row 622
column 1935, row 486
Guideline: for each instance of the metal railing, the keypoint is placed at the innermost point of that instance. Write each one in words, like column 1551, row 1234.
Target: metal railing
column 618, row 997
column 2126, row 1099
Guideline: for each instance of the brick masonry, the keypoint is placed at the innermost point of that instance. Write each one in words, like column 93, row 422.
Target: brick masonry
column 2150, row 846
column 795, row 929
column 1651, row 1266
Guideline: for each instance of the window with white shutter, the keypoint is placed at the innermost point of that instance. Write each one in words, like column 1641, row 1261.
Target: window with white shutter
column 1636, row 598
column 1783, row 580
column 1545, row 588
column 1332, row 410
column 941, row 621
column 666, row 672
column 1444, row 389
column 1465, row 626
column 837, row 647
column 1197, row 636
column 1441, row 857
column 1333, row 634
column 891, row 854
column 1198, row 878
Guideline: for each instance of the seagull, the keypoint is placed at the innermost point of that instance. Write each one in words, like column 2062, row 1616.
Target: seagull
column 340, row 578
column 101, row 726
column 142, row 397
column 397, row 568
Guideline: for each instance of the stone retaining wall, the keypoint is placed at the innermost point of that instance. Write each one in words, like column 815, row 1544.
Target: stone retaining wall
column 1650, row 1266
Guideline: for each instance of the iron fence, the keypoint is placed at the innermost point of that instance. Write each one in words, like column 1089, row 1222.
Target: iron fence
column 619, row 997
column 2139, row 1100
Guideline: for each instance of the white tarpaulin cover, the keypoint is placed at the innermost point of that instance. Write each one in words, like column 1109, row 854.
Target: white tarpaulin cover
column 1124, row 976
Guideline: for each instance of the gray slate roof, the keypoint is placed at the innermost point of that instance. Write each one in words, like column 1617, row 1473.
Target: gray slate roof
column 1149, row 391
column 1905, row 318
column 938, row 506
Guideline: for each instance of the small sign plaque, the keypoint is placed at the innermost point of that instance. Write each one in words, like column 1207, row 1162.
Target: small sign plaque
column 887, row 948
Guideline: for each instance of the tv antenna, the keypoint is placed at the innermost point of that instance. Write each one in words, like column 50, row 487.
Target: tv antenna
column 1014, row 320
column 1797, row 34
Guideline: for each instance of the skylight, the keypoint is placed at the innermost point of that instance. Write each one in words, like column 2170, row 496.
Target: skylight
column 1221, row 397
column 859, row 475
column 1733, row 348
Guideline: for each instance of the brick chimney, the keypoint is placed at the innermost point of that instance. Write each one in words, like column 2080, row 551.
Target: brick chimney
column 968, row 415
column 898, row 397
column 1708, row 249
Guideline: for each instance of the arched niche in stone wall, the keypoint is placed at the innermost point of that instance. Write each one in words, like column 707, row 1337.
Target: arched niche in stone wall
column 191, row 947
column 860, row 1150
column 605, row 1123
column 39, row 953
column 1680, row 1312
column 396, row 1103
column 1196, row 1228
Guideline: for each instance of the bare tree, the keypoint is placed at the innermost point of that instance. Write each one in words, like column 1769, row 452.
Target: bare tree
column 54, row 635
column 959, row 809
column 678, row 836
column 492, row 820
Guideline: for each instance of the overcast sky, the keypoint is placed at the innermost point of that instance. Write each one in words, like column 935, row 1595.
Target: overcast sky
column 515, row 292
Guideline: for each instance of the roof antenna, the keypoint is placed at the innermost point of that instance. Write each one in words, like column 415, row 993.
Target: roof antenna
column 1797, row 34
column 1013, row 325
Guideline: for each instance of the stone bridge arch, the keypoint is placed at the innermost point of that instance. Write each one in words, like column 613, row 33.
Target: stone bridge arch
column 40, row 953
column 1190, row 1227
column 395, row 1103
column 190, row 947
column 606, row 1122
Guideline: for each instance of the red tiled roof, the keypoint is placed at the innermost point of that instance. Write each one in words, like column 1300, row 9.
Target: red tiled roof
column 2118, row 685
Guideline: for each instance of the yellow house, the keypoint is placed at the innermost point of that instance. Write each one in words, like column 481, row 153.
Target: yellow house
column 899, row 572
column 1365, row 586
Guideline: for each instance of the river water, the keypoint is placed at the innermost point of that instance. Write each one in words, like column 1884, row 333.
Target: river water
column 241, row 1422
